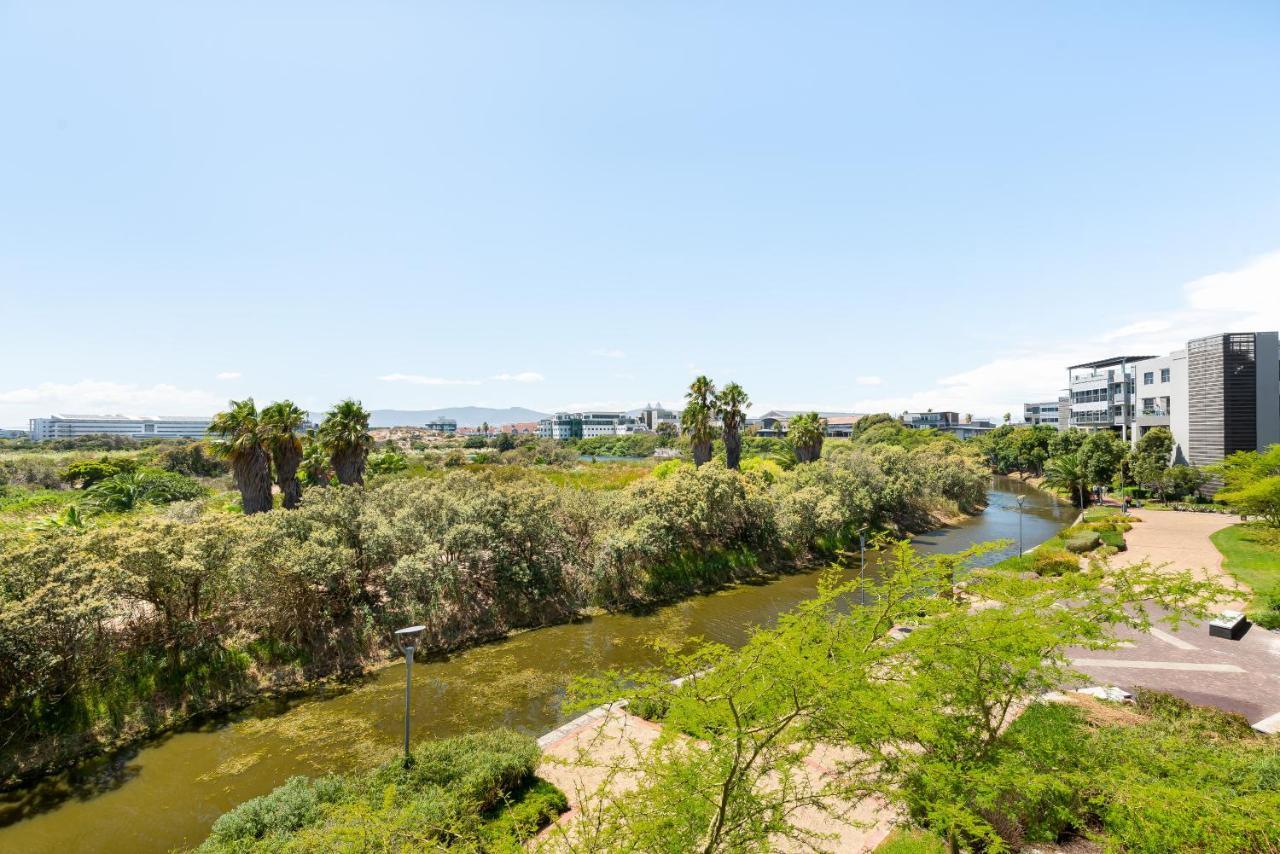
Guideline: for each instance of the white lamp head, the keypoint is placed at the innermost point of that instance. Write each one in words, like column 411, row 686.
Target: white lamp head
column 408, row 637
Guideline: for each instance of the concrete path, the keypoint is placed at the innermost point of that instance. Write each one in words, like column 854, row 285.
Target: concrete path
column 578, row 756
column 1239, row 676
column 1182, row 541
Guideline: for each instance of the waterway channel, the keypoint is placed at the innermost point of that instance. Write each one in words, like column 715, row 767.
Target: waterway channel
column 166, row 793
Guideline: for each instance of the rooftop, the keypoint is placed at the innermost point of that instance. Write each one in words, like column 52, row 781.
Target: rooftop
column 64, row 416
column 1109, row 363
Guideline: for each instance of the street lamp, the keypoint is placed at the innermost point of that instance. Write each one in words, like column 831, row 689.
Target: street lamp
column 1021, row 500
column 408, row 639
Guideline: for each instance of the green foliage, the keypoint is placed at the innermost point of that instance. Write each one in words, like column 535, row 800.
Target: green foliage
column 475, row 441
column 1023, row 449
column 806, row 433
column 1082, row 541
column 86, row 473
column 1067, row 472
column 1251, row 553
column 124, row 492
column 1051, row 561
column 922, row 719
column 1101, row 456
column 475, row 790
column 344, row 434
column 1251, row 482
column 634, row 445
column 503, row 442
column 386, row 463
column 190, row 459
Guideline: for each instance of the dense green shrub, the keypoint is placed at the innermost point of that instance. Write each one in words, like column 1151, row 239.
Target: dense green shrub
column 1114, row 539
column 473, row 790
column 1051, row 561
column 1081, row 542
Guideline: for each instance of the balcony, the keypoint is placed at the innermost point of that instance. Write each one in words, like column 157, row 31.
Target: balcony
column 1152, row 416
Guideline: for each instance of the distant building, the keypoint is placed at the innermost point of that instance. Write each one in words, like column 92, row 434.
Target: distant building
column 1055, row 413
column 520, row 428
column 774, row 423
column 652, row 415
column 135, row 427
column 587, row 425
column 447, row 426
column 948, row 422
column 13, row 434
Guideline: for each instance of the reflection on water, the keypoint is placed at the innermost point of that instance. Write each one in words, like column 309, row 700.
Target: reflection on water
column 168, row 793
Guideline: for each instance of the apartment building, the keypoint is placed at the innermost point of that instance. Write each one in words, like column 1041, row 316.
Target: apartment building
column 135, row 427
column 948, row 422
column 654, row 414
column 1055, row 413
column 1103, row 394
column 774, row 423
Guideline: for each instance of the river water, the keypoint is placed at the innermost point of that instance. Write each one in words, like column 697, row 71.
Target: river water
column 168, row 792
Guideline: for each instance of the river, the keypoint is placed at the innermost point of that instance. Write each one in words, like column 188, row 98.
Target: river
column 166, row 793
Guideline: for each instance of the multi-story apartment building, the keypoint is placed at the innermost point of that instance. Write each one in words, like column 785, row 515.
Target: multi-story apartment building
column 948, row 422
column 774, row 422
column 135, row 427
column 1102, row 394
column 1055, row 413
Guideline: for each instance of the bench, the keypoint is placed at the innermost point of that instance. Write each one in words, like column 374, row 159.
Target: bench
column 1229, row 624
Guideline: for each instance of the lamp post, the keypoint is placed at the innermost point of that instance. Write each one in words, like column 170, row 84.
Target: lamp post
column 408, row 639
column 1021, row 500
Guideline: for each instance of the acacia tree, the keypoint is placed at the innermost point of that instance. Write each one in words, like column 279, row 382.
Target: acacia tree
column 695, row 420
column 240, row 438
column 731, row 405
column 345, row 436
column 911, row 717
column 806, row 433
column 280, row 422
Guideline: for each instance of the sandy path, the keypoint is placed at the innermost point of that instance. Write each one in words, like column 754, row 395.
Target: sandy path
column 1181, row 540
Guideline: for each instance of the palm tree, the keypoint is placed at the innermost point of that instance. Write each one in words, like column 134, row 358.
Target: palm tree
column 696, row 418
column 1067, row 472
column 731, row 405
column 315, row 461
column 806, row 433
column 345, row 435
column 280, row 422
column 241, row 441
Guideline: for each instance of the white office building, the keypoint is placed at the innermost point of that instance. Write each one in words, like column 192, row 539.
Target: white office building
column 133, row 426
column 1219, row 395
column 1103, row 394
column 587, row 425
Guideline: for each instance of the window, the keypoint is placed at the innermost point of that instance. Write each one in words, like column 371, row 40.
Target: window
column 1148, row 378
column 1164, row 375
column 1148, row 403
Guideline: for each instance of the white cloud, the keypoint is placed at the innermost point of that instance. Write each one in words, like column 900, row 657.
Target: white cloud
column 613, row 353
column 1242, row 300
column 109, row 398
column 228, row 375
column 418, row 379
column 522, row 377
column 869, row 381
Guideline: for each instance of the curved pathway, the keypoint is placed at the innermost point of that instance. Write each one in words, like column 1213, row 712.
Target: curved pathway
column 1240, row 676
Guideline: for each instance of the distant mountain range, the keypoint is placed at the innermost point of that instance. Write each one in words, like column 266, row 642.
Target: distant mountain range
column 466, row 416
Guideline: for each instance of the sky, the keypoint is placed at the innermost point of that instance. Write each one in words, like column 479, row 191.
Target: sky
column 844, row 206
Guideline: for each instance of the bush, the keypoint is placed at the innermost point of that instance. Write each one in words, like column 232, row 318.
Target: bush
column 1114, row 539
column 1082, row 542
column 1051, row 561
column 477, row 788
column 1268, row 616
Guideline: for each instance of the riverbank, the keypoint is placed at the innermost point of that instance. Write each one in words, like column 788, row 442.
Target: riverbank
column 126, row 803
column 242, row 679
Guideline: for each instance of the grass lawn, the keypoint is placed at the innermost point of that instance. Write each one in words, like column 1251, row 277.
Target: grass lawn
column 1251, row 553
column 905, row 841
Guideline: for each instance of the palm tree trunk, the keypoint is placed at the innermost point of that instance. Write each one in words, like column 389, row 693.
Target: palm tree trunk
column 732, row 448
column 348, row 467
column 287, row 460
column 253, row 479
column 701, row 451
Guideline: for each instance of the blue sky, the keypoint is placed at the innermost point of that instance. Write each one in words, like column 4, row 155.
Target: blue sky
column 841, row 205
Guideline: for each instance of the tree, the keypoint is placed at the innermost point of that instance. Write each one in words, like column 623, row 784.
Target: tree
column 241, row 441
column 503, row 442
column 806, row 433
column 387, row 462
column 1181, row 481
column 667, row 433
column 695, row 420
column 316, row 470
column 345, row 436
column 1067, row 472
column 731, row 405
column 281, row 422
column 1251, row 482
column 85, row 473
column 1102, row 455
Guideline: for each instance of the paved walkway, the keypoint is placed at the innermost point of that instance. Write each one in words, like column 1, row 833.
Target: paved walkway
column 1239, row 676
column 577, row 758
